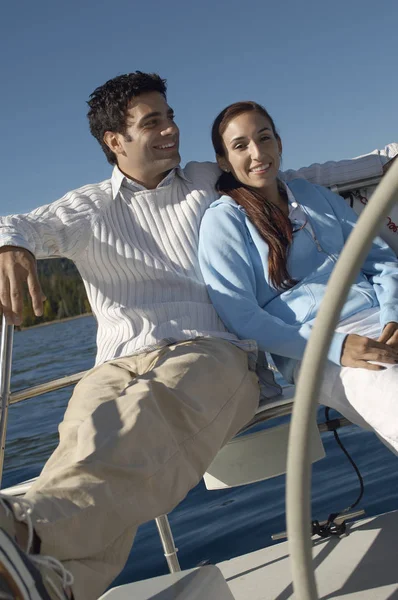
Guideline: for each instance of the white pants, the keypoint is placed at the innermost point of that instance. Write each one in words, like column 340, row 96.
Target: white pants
column 367, row 398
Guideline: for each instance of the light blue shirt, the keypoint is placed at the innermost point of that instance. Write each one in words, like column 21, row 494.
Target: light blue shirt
column 234, row 262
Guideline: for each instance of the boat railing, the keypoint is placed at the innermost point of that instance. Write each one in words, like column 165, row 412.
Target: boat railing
column 7, row 398
column 7, row 338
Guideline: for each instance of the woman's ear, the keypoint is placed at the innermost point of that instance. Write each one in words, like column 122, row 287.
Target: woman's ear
column 222, row 163
column 280, row 146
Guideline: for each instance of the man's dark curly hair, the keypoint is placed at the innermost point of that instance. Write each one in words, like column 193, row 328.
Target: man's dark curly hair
column 109, row 104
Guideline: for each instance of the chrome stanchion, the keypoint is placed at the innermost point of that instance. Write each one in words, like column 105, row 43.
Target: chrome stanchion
column 170, row 551
column 7, row 337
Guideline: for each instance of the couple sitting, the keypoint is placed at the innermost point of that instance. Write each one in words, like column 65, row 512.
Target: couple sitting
column 172, row 382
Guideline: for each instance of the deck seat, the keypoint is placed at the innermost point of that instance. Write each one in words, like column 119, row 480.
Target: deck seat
column 204, row 582
column 258, row 454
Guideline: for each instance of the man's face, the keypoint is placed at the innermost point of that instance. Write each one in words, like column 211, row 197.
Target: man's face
column 149, row 148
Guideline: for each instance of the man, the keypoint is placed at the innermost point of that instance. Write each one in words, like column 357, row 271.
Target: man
column 170, row 385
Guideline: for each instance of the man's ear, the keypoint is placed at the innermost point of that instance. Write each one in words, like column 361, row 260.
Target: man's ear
column 222, row 163
column 112, row 140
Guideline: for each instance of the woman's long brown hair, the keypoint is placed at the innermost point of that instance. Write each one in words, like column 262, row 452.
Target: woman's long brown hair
column 272, row 224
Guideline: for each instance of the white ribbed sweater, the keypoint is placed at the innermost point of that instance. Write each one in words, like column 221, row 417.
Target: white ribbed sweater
column 136, row 251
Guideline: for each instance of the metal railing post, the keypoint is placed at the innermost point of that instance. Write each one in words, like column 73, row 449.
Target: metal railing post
column 166, row 537
column 7, row 338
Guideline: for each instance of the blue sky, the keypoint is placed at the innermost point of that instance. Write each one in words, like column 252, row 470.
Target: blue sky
column 326, row 71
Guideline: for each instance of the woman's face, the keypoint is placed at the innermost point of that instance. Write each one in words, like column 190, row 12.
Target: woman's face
column 252, row 151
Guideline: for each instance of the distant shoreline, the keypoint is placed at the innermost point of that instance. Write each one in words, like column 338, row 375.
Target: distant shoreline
column 57, row 321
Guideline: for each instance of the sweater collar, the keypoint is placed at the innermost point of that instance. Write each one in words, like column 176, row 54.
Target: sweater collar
column 118, row 178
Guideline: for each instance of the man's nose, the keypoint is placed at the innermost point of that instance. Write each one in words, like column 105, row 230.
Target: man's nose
column 169, row 129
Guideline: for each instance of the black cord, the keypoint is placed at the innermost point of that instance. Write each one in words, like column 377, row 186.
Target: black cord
column 354, row 466
column 331, row 528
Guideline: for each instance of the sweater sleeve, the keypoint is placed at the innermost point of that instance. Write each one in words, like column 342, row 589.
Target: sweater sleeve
column 62, row 228
column 344, row 171
column 380, row 266
column 229, row 275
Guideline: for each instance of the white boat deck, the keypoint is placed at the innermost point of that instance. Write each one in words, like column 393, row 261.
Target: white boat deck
column 362, row 565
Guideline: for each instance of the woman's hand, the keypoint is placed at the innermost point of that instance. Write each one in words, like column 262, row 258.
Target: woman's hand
column 389, row 335
column 359, row 350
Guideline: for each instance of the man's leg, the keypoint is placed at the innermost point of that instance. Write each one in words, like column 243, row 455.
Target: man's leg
column 138, row 434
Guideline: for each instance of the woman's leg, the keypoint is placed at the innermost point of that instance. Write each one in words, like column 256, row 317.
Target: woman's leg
column 367, row 398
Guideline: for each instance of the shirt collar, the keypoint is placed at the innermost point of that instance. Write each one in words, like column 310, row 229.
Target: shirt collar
column 118, row 178
column 290, row 197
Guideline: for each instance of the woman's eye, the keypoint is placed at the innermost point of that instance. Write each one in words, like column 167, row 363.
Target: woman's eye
column 264, row 138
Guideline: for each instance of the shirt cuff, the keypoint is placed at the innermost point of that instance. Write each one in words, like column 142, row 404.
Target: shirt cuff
column 336, row 347
column 16, row 240
column 388, row 314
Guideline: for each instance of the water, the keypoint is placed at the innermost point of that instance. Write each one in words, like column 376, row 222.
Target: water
column 208, row 526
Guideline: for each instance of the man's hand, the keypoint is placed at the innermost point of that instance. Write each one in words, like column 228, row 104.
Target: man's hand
column 17, row 268
column 359, row 350
column 389, row 335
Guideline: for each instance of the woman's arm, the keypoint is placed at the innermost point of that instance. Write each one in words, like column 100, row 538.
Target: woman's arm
column 228, row 272
column 381, row 264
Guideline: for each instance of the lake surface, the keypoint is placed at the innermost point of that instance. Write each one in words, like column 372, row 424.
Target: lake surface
column 207, row 526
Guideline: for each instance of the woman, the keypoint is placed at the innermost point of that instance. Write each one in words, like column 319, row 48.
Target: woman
column 267, row 250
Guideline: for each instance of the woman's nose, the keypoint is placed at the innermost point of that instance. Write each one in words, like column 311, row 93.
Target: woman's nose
column 255, row 152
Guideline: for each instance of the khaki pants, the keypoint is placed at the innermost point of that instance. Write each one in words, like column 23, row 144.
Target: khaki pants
column 138, row 434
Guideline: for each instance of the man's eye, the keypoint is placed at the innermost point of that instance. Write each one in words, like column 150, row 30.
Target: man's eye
column 239, row 147
column 151, row 123
column 264, row 138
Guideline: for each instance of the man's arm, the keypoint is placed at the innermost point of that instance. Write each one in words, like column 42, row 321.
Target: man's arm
column 390, row 162
column 59, row 229
column 345, row 171
column 327, row 174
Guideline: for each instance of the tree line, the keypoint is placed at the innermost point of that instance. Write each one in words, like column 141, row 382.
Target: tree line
column 64, row 290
